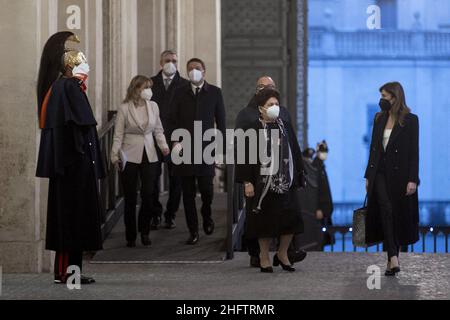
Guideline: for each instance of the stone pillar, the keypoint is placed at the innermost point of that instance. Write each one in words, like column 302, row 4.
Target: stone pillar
column 121, row 38
column 151, row 35
column 124, row 48
column 21, row 241
column 199, row 35
column 25, row 26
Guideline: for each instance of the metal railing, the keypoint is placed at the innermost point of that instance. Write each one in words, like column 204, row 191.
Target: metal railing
column 326, row 44
column 236, row 215
column 110, row 188
column 431, row 213
column 429, row 236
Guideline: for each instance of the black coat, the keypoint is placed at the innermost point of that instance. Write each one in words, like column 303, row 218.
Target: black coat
column 208, row 108
column 164, row 98
column 402, row 167
column 248, row 172
column 251, row 172
column 70, row 157
column 325, row 200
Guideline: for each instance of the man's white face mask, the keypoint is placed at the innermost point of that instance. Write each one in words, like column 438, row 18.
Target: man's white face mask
column 170, row 69
column 196, row 76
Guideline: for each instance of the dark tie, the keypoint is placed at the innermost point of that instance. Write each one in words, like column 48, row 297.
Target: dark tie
column 167, row 83
column 197, row 91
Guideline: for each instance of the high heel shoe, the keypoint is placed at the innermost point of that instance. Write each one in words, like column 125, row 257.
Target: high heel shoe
column 391, row 272
column 267, row 270
column 277, row 262
column 395, row 270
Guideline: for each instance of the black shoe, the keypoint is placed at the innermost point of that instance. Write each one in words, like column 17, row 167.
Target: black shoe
column 87, row 280
column 255, row 262
column 59, row 280
column 193, row 239
column 395, row 270
column 131, row 244
column 277, row 262
column 170, row 224
column 208, row 227
column 83, row 280
column 155, row 224
column 267, row 270
column 146, row 240
column 389, row 273
column 297, row 256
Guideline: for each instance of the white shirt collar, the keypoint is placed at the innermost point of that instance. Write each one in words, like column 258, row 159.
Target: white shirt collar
column 194, row 87
column 166, row 77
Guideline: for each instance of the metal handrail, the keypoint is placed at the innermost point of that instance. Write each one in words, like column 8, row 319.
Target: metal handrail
column 110, row 188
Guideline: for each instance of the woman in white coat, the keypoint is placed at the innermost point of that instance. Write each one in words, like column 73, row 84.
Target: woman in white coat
column 138, row 134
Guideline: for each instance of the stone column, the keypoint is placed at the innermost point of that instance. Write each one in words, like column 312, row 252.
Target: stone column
column 124, row 48
column 21, row 236
column 152, row 35
column 199, row 35
column 25, row 26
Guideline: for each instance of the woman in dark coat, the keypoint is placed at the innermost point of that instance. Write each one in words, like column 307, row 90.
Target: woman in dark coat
column 69, row 156
column 392, row 176
column 272, row 200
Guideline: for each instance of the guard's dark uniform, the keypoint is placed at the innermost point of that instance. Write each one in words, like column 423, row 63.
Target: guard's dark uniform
column 69, row 155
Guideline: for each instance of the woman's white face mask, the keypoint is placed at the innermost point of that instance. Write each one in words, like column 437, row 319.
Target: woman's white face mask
column 147, row 94
column 273, row 112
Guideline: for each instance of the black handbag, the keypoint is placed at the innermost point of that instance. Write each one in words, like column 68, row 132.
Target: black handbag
column 359, row 226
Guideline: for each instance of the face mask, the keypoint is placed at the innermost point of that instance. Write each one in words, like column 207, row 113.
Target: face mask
column 385, row 105
column 323, row 156
column 196, row 76
column 273, row 112
column 169, row 69
column 81, row 69
column 147, row 94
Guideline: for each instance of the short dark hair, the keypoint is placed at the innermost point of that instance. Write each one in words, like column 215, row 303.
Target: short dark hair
column 168, row 52
column 198, row 61
column 264, row 95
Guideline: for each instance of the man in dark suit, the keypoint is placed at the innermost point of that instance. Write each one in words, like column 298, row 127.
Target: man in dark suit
column 165, row 83
column 203, row 103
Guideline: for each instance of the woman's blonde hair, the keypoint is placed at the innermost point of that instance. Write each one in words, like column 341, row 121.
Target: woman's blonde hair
column 133, row 94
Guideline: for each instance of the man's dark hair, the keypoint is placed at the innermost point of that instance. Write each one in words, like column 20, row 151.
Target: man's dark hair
column 264, row 95
column 198, row 61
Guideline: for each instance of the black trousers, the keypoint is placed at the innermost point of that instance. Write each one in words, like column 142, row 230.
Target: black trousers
column 206, row 188
column 147, row 173
column 173, row 203
column 387, row 218
column 64, row 260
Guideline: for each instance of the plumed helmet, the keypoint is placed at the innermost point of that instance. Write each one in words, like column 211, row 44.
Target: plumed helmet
column 52, row 62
